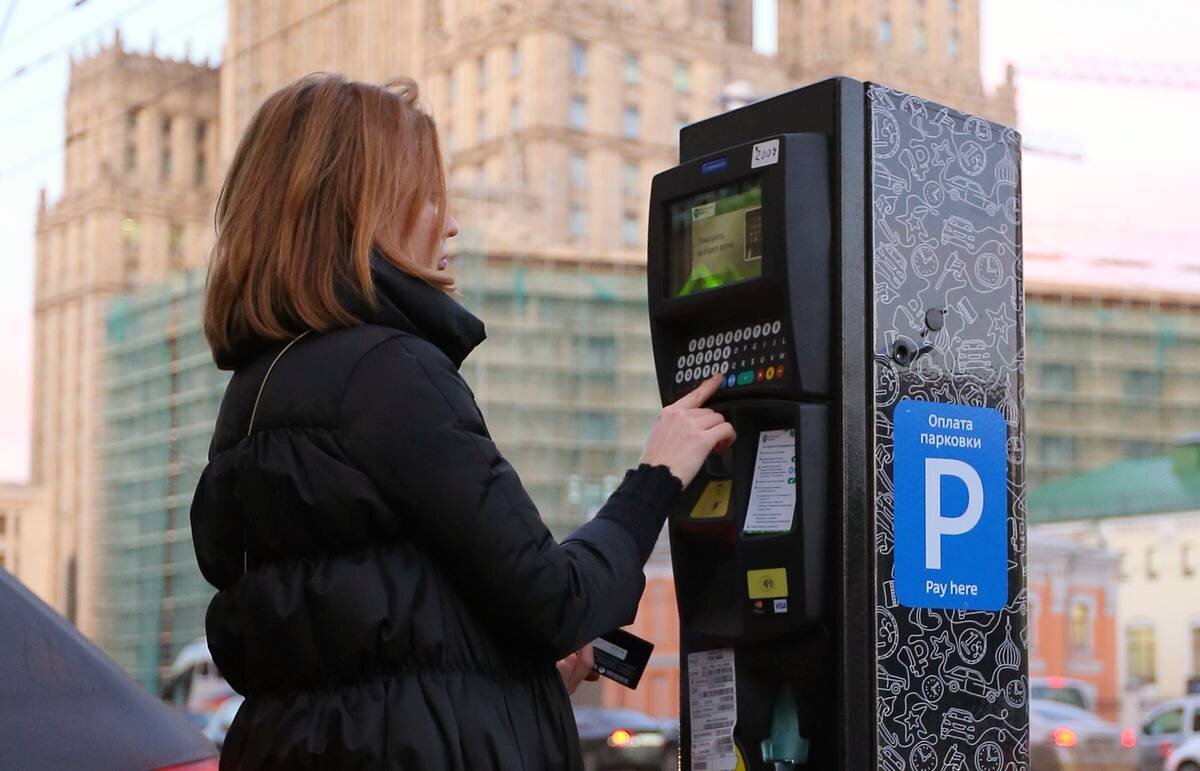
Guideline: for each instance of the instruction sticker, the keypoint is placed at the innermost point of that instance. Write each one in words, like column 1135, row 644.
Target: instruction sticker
column 951, row 498
column 773, row 490
column 714, row 501
column 712, row 702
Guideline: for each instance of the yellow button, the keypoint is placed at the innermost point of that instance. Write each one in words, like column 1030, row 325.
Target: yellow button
column 714, row 501
column 767, row 583
column 770, row 373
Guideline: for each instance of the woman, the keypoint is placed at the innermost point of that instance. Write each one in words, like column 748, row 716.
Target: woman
column 387, row 595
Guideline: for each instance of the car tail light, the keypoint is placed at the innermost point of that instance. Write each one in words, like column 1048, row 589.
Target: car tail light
column 1128, row 738
column 1057, row 682
column 620, row 738
column 1064, row 737
column 623, row 737
column 208, row 764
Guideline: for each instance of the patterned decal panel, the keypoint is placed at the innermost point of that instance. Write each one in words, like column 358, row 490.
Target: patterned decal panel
column 952, row 685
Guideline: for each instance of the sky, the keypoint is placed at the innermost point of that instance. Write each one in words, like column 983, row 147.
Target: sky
column 1114, row 179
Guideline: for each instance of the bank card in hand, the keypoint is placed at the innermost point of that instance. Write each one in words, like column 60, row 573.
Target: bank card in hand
column 621, row 657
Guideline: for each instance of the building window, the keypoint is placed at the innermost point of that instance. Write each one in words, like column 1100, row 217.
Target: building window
column 579, row 175
column 165, row 165
column 1138, row 448
column 681, row 78
column 631, row 122
column 1143, row 384
column 131, row 140
column 597, row 427
column 451, row 89
column 629, row 178
column 514, row 114
column 1081, row 626
column 1151, row 570
column 578, row 118
column 514, row 61
column 632, row 71
column 631, row 234
column 579, row 62
column 1058, row 377
column 885, row 31
column 953, row 4
column 1195, row 645
column 131, row 242
column 483, row 75
column 481, row 129
column 175, row 245
column 577, row 223
column 1185, row 561
column 3, row 524
column 451, row 138
column 919, row 37
column 953, row 45
column 1139, row 652
column 1058, row 451
column 200, row 173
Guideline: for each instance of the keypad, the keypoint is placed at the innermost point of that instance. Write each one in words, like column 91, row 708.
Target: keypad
column 747, row 354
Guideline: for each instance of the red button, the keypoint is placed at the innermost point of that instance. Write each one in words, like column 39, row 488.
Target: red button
column 759, row 375
column 778, row 371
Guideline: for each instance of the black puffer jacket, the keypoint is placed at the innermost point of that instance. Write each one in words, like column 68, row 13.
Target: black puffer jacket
column 388, row 596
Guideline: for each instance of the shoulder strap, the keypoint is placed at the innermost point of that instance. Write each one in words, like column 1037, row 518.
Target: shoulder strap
column 263, row 384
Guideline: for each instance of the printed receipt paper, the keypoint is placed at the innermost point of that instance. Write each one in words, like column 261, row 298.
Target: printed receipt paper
column 773, row 491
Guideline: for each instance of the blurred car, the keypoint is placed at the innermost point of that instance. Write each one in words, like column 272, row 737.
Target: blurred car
column 220, row 720
column 625, row 739
column 1166, row 727
column 194, row 684
column 1063, row 737
column 72, row 707
column 1185, row 757
column 1067, row 690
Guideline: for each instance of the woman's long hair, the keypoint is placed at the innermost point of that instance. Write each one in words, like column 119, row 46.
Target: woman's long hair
column 324, row 172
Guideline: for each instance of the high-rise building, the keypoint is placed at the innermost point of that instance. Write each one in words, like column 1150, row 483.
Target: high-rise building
column 925, row 47
column 24, row 535
column 136, row 205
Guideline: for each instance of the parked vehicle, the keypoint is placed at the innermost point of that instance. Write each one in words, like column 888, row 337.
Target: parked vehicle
column 70, row 706
column 1185, row 757
column 1166, row 727
column 1063, row 737
column 1067, row 690
column 194, row 684
column 219, row 722
column 625, row 739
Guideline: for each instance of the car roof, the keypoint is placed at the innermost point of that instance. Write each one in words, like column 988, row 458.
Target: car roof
column 1057, row 710
column 1187, row 702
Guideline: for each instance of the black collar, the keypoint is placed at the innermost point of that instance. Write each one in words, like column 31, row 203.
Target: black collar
column 402, row 302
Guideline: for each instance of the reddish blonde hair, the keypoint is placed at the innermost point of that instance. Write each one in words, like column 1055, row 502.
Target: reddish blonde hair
column 325, row 169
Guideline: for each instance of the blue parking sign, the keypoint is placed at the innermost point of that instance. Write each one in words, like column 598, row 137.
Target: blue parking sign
column 951, row 506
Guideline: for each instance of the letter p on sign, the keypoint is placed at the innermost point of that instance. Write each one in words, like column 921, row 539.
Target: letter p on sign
column 936, row 523
column 951, row 515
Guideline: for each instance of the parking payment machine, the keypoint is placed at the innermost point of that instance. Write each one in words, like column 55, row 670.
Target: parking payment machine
column 849, row 575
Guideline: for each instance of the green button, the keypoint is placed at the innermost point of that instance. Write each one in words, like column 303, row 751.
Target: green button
column 745, row 378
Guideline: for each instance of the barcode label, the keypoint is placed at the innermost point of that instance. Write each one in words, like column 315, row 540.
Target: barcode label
column 712, row 702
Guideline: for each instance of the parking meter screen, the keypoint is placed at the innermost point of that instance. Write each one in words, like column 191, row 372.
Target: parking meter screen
column 716, row 238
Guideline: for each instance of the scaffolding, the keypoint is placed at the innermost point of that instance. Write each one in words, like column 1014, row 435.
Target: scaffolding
column 1109, row 376
column 161, row 392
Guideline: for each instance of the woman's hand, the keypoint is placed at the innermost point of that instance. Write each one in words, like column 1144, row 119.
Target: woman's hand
column 578, row 667
column 686, row 432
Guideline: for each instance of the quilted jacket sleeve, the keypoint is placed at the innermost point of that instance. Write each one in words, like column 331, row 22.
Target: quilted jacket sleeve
column 411, row 424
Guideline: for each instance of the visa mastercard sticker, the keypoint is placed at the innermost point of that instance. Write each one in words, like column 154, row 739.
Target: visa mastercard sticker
column 766, row 584
column 714, row 501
